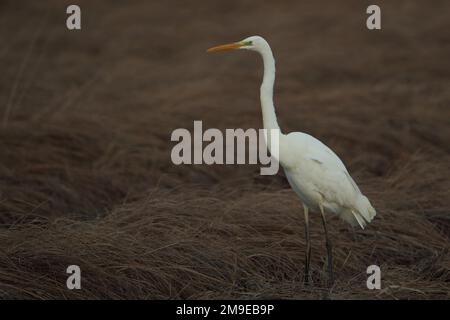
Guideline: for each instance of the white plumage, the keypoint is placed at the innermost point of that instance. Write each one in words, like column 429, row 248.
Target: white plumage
column 320, row 178
column 313, row 170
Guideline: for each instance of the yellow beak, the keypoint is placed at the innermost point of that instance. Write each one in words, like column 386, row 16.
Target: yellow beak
column 228, row 46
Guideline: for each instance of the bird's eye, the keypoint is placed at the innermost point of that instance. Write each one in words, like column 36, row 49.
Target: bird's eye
column 248, row 43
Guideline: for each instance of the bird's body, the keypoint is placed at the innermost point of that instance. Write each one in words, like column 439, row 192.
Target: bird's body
column 319, row 178
column 313, row 170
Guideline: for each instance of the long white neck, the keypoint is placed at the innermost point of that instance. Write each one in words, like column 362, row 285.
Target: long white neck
column 266, row 90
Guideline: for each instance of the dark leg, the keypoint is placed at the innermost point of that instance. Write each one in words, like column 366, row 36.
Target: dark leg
column 329, row 249
column 308, row 246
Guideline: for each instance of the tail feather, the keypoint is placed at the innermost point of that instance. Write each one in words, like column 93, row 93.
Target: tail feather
column 360, row 219
column 362, row 214
column 365, row 210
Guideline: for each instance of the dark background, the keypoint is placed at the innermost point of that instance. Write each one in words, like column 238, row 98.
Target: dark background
column 85, row 170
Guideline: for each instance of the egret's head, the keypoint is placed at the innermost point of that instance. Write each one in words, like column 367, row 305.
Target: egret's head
column 255, row 43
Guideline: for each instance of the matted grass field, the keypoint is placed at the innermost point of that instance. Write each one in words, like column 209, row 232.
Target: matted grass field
column 85, row 170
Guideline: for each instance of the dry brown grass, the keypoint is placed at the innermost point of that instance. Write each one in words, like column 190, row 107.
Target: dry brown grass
column 85, row 171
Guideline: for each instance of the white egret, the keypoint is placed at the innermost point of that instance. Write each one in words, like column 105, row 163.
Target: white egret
column 313, row 170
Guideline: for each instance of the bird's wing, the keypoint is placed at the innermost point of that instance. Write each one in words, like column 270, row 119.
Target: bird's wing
column 328, row 172
column 317, row 151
